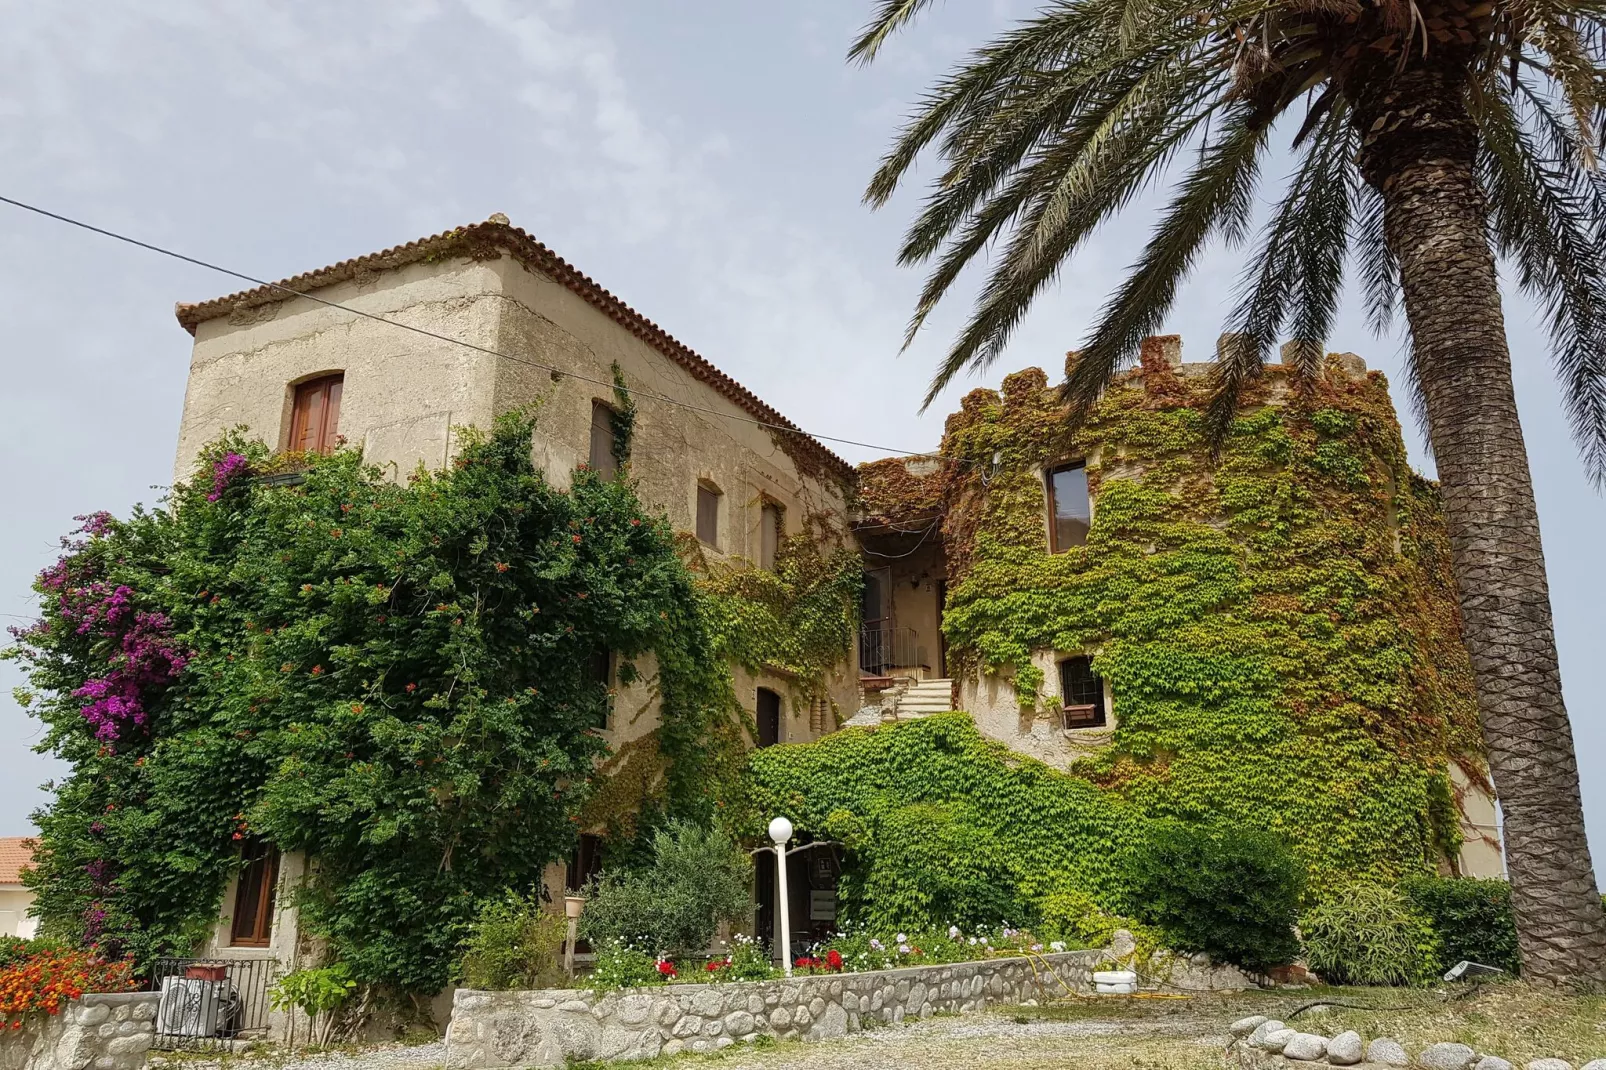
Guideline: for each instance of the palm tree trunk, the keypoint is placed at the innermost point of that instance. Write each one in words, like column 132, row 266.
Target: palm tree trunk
column 1418, row 151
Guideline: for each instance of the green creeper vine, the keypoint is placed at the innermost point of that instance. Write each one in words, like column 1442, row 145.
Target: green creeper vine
column 1277, row 627
column 391, row 679
column 624, row 418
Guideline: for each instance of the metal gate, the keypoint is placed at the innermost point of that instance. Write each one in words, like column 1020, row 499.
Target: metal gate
column 210, row 1004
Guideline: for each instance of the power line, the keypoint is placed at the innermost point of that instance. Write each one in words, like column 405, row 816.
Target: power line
column 438, row 337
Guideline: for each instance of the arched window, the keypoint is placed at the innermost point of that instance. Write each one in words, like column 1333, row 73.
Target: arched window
column 1081, row 693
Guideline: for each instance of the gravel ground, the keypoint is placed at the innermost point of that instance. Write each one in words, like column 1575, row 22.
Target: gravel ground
column 997, row 1041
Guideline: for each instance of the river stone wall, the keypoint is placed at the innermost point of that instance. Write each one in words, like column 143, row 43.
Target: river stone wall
column 554, row 1026
column 99, row 1031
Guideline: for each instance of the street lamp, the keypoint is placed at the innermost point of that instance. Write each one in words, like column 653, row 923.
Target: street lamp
column 781, row 833
column 572, row 907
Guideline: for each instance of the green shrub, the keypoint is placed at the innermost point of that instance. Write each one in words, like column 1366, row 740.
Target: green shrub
column 1471, row 918
column 623, row 966
column 317, row 993
column 1370, row 934
column 1074, row 918
column 1232, row 893
column 697, row 879
column 513, row 944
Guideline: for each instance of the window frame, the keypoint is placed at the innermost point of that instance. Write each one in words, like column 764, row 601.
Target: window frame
column 715, row 499
column 608, row 465
column 264, row 871
column 602, row 658
column 1051, row 497
column 1100, row 717
column 758, row 718
column 771, row 532
column 331, row 387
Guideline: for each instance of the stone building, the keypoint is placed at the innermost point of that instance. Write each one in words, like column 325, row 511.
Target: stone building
column 301, row 375
column 1260, row 613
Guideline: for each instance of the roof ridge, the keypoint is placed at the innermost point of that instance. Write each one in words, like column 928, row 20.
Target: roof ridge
column 482, row 241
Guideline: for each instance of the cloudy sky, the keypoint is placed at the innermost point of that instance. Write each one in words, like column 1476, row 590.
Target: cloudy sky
column 702, row 160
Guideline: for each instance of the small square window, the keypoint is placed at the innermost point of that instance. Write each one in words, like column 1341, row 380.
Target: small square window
column 708, row 515
column 1081, row 694
column 602, row 458
column 1070, row 511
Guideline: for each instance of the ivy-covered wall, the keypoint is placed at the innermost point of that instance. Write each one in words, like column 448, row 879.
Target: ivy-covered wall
column 1278, row 627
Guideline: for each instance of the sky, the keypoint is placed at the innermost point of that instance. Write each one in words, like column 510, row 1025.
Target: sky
column 703, row 160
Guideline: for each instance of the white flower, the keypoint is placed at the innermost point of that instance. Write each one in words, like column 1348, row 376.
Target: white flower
column 1057, row 945
column 875, row 945
column 903, row 949
column 953, row 932
column 902, row 938
column 1037, row 947
column 972, row 941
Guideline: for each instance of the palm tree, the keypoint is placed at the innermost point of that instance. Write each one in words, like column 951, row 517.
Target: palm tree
column 1429, row 135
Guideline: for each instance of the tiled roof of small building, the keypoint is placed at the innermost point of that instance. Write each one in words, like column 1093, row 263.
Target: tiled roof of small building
column 487, row 241
column 15, row 854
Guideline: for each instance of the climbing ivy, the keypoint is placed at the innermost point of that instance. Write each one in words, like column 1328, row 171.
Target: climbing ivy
column 391, row 679
column 1277, row 626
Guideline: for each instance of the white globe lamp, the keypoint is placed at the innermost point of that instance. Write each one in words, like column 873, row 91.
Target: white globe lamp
column 780, row 831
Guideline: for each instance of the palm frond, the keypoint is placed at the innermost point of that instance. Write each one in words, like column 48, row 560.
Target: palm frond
column 1297, row 271
column 1216, row 196
column 890, row 17
column 1376, row 264
column 1540, row 218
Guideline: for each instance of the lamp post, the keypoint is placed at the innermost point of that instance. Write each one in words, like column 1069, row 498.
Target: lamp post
column 572, row 906
column 781, row 833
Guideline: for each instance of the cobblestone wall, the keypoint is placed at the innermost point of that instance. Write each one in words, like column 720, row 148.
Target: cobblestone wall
column 548, row 1028
column 101, row 1031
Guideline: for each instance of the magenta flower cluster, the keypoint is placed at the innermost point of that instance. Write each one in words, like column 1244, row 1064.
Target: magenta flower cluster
column 144, row 653
column 224, row 472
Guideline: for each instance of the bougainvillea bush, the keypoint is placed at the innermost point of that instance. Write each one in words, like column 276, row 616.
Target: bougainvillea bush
column 46, row 980
column 393, row 679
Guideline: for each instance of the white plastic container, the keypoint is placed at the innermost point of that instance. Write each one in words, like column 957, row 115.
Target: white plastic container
column 1115, row 977
column 1115, row 990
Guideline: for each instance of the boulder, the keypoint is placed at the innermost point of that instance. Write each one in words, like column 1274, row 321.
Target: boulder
column 1388, row 1052
column 1346, row 1049
column 1276, row 1040
column 1550, row 1064
column 1491, row 1062
column 1446, row 1056
column 1122, row 944
column 1306, row 1047
column 1259, row 1032
column 1244, row 1026
column 1594, row 1064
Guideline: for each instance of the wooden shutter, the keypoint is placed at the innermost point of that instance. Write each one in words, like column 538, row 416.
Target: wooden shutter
column 708, row 516
column 253, row 896
column 315, row 415
column 772, row 528
column 602, row 459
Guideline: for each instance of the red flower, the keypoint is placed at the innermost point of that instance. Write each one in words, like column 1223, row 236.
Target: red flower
column 833, row 959
column 667, row 968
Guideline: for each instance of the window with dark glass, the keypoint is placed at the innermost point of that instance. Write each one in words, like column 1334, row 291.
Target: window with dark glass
column 315, row 415
column 602, row 458
column 1081, row 693
column 585, row 864
column 1070, row 512
column 708, row 515
column 602, row 674
column 769, row 717
column 772, row 528
column 253, row 896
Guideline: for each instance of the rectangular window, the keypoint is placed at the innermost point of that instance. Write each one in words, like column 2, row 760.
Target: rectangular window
column 1082, row 693
column 585, row 865
column 708, row 516
column 253, row 896
column 602, row 674
column 771, row 530
column 769, row 718
column 602, row 459
column 315, row 415
column 1069, row 509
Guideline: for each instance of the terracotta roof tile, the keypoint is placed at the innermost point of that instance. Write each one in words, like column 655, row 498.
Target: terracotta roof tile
column 487, row 241
column 15, row 853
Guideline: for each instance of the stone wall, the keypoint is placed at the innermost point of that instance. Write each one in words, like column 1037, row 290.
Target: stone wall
column 549, row 1028
column 100, row 1031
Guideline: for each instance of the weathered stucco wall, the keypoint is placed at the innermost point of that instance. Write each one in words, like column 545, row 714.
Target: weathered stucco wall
column 14, row 903
column 100, row 1031
column 548, row 1028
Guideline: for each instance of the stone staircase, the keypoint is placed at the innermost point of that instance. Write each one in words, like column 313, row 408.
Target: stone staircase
column 923, row 699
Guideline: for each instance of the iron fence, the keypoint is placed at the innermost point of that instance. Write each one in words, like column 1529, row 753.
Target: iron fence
column 210, row 1004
